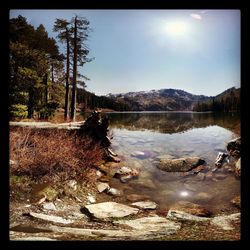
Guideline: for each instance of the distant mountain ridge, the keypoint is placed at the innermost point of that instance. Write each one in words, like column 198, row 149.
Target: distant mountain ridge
column 158, row 100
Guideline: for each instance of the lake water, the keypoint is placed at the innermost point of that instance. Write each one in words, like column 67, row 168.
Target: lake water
column 141, row 138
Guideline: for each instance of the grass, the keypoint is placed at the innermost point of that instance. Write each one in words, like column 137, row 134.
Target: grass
column 52, row 155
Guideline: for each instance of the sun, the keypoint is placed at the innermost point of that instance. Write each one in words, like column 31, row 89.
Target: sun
column 176, row 28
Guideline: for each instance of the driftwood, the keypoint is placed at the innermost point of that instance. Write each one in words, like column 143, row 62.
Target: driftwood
column 96, row 127
column 220, row 158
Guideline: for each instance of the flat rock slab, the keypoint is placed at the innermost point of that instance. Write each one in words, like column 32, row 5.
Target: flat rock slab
column 152, row 224
column 145, row 204
column 179, row 165
column 224, row 221
column 50, row 218
column 109, row 210
column 180, row 215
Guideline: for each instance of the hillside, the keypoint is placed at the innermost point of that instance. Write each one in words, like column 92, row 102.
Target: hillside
column 227, row 101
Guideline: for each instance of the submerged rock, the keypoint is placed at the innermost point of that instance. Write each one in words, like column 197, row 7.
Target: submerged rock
column 191, row 208
column 179, row 165
column 125, row 174
column 110, row 210
column 145, row 204
column 137, row 197
column 203, row 196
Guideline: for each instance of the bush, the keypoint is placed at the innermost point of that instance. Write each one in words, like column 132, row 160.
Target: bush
column 52, row 154
column 18, row 111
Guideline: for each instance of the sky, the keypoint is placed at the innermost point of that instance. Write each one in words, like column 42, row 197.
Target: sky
column 139, row 50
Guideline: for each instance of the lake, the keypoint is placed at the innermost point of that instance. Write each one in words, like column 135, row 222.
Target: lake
column 141, row 138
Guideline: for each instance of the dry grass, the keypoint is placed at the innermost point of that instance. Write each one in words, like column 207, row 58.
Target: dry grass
column 52, row 154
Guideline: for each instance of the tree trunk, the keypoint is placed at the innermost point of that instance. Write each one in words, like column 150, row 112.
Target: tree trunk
column 31, row 103
column 46, row 89
column 73, row 99
column 66, row 108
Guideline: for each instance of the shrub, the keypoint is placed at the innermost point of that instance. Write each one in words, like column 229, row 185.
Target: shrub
column 52, row 154
column 19, row 111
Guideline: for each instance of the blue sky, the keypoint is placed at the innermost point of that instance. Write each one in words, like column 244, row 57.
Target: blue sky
column 194, row 50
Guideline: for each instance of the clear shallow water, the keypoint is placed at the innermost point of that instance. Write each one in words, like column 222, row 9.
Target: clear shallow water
column 178, row 135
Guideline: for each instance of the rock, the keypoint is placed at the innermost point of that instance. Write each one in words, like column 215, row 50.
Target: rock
column 203, row 196
column 91, row 199
column 179, row 165
column 34, row 238
column 126, row 178
column 180, row 215
column 191, row 208
column 49, row 206
column 145, row 183
column 72, row 184
column 125, row 173
column 220, row 176
column 101, row 187
column 114, row 192
column 220, row 158
column 224, row 221
column 236, row 201
column 198, row 169
column 137, row 154
column 189, row 187
column 234, row 147
column 209, row 175
column 98, row 173
column 137, row 197
column 145, row 204
column 155, row 224
column 238, row 167
column 200, row 176
column 50, row 218
column 110, row 210
column 146, row 228
column 168, row 193
column 12, row 162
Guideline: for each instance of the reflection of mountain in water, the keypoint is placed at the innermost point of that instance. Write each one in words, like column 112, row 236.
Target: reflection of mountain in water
column 172, row 122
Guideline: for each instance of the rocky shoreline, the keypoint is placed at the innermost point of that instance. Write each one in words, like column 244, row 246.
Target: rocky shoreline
column 74, row 211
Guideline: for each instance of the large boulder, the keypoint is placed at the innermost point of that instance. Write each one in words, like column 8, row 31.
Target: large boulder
column 107, row 210
column 179, row 165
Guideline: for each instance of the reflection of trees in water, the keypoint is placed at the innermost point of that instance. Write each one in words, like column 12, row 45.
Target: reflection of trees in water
column 172, row 122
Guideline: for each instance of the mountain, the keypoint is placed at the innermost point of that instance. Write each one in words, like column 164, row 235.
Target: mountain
column 227, row 101
column 158, row 100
